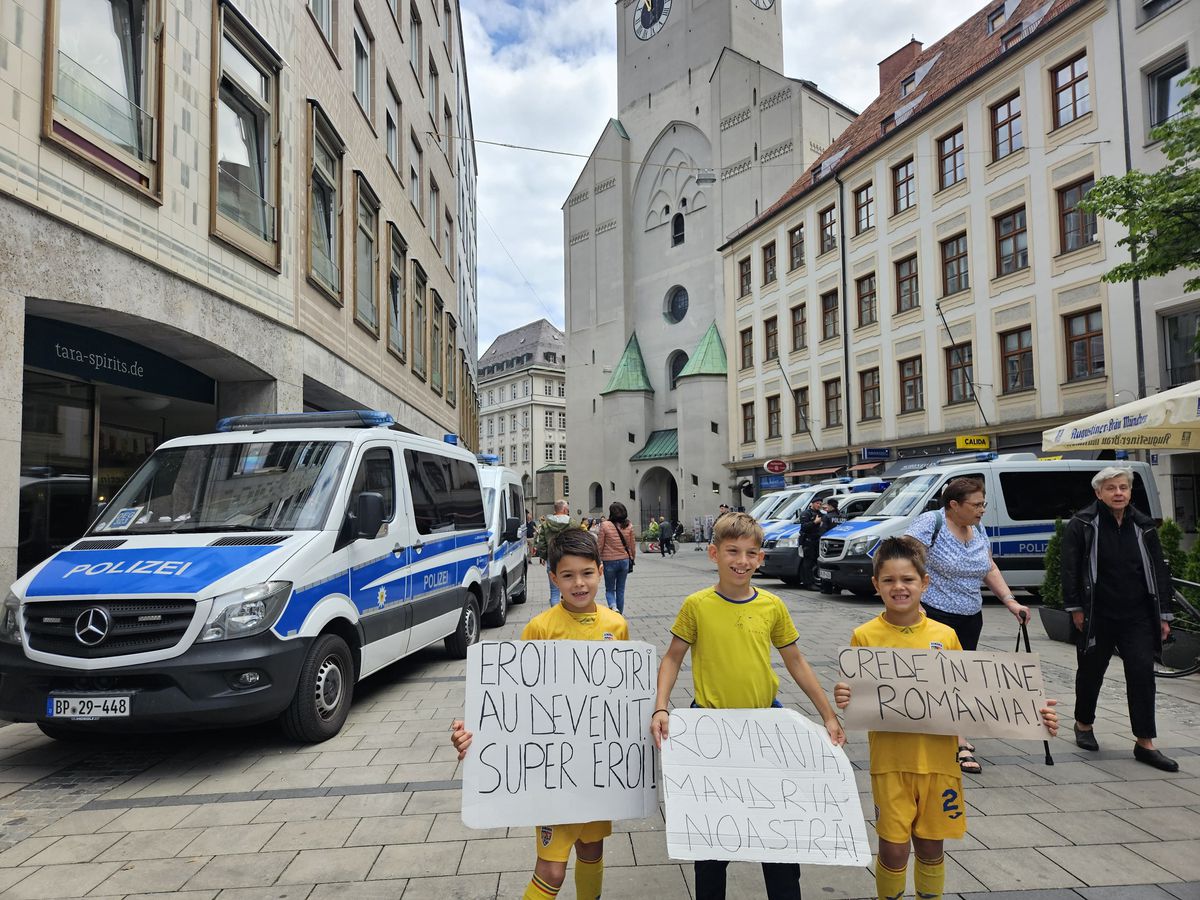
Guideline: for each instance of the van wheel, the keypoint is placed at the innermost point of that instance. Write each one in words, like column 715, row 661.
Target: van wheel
column 323, row 695
column 495, row 616
column 467, row 632
column 518, row 592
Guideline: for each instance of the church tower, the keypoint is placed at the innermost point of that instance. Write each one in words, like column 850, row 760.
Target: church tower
column 707, row 134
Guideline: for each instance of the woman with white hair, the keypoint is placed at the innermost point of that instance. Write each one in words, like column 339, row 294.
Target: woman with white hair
column 1117, row 587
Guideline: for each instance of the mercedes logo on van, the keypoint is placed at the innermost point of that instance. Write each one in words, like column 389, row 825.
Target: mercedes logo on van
column 91, row 626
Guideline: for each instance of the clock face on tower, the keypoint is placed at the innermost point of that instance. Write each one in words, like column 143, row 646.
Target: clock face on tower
column 763, row 4
column 649, row 16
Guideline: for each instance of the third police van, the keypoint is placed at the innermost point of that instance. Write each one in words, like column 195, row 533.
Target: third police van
column 1024, row 497
column 508, row 559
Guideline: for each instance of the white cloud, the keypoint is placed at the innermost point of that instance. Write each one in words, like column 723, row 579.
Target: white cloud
column 544, row 74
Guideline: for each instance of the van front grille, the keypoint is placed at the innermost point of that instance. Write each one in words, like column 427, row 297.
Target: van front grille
column 831, row 548
column 113, row 627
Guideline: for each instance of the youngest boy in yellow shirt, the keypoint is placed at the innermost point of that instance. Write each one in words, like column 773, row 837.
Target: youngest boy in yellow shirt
column 915, row 779
column 575, row 567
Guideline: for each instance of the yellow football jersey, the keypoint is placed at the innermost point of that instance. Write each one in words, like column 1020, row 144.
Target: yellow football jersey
column 560, row 624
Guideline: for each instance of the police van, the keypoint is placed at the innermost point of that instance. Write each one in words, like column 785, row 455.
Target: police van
column 508, row 559
column 254, row 573
column 1024, row 497
column 781, row 534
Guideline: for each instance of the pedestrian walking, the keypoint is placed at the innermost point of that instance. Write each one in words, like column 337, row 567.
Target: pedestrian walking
column 666, row 536
column 618, row 550
column 1117, row 587
column 959, row 560
column 553, row 526
column 530, row 530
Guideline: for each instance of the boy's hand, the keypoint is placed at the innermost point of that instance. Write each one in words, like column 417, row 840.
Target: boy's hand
column 834, row 727
column 1050, row 717
column 658, row 727
column 460, row 737
column 841, row 694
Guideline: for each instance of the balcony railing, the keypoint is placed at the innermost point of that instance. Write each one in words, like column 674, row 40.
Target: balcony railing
column 86, row 98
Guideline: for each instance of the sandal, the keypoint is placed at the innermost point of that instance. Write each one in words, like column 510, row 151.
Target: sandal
column 967, row 761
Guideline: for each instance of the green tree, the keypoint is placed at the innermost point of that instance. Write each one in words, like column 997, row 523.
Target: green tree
column 1160, row 210
column 1052, row 582
column 1170, row 535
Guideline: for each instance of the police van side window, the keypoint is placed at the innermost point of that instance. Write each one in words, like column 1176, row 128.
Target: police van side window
column 377, row 473
column 935, row 502
column 1055, row 494
column 515, row 504
column 445, row 493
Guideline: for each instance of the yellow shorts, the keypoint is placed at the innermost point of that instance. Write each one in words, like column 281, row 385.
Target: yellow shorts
column 927, row 806
column 554, row 842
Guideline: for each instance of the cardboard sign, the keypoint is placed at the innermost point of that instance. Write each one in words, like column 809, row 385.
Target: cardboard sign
column 975, row 693
column 760, row 785
column 562, row 732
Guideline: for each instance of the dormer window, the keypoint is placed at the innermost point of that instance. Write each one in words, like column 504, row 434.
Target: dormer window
column 1011, row 36
column 887, row 124
column 995, row 20
column 907, row 85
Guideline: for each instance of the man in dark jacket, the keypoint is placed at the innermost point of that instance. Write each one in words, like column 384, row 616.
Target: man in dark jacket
column 1117, row 587
column 810, row 543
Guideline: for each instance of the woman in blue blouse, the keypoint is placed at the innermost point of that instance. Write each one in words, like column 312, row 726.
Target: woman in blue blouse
column 959, row 561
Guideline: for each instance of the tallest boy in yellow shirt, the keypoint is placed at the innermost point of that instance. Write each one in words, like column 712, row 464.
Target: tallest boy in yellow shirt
column 730, row 629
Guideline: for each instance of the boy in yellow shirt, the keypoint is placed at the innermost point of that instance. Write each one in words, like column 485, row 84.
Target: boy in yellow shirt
column 575, row 567
column 730, row 629
column 915, row 778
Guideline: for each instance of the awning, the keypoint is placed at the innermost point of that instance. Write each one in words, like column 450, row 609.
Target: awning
column 858, row 467
column 811, row 472
column 1166, row 421
column 662, row 444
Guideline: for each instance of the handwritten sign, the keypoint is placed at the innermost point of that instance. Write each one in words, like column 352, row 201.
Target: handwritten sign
column 562, row 732
column 761, row 785
column 938, row 692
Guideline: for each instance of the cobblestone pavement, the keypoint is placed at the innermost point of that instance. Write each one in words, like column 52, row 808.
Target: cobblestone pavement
column 374, row 813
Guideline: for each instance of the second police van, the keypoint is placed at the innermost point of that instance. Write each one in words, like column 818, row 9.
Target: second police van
column 781, row 528
column 508, row 559
column 251, row 574
column 1024, row 497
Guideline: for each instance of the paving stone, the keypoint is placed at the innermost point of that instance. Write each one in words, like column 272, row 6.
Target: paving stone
column 406, row 755
column 421, row 860
column 239, row 812
column 311, row 835
column 231, row 839
column 176, row 895
column 1125, row 892
column 1007, row 832
column 361, row 890
column 1131, row 770
column 150, row 844
column 60, row 881
column 275, row 892
column 1068, row 772
column 1180, row 858
column 1152, row 793
column 1189, row 891
column 346, row 864
column 9, row 877
column 19, row 853
column 149, row 818
column 297, row 810
column 458, row 887
column 382, row 830
column 1083, row 797
column 81, row 822
column 435, row 802
column 1097, row 827
column 357, row 806
column 374, row 774
column 75, row 848
column 439, row 771
column 501, row 855
column 1017, row 868
column 152, row 875
column 304, row 778
column 1103, row 864
column 450, row 827
column 1006, row 800
column 1170, row 823
column 241, row 870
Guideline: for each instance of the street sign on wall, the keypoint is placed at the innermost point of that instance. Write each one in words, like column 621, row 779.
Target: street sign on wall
column 973, row 442
column 868, row 453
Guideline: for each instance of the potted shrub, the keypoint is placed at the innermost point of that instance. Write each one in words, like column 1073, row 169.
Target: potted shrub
column 1055, row 620
column 1183, row 648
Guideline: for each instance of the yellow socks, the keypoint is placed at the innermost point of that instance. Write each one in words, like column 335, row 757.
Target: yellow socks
column 539, row 890
column 589, row 878
column 890, row 883
column 930, row 878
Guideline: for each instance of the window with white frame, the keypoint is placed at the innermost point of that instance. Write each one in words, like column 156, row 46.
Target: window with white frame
column 363, row 62
column 322, row 11
column 325, row 233
column 396, row 312
column 366, row 270
column 414, row 39
column 419, row 280
column 415, row 163
column 391, row 128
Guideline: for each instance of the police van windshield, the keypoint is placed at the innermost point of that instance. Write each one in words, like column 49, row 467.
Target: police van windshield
column 903, row 497
column 262, row 486
column 795, row 505
column 766, row 505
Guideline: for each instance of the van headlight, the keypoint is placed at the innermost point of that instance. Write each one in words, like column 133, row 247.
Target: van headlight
column 788, row 542
column 245, row 611
column 859, row 547
column 10, row 620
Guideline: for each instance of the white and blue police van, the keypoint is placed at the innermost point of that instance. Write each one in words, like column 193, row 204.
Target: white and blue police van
column 1025, row 495
column 508, row 555
column 782, row 551
column 251, row 574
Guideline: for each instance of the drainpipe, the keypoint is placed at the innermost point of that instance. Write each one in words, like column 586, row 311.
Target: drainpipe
column 1137, row 285
column 845, row 292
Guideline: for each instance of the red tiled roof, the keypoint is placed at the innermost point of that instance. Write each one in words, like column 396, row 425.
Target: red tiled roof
column 959, row 56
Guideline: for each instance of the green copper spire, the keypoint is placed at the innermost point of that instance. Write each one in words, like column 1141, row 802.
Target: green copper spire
column 709, row 358
column 630, row 373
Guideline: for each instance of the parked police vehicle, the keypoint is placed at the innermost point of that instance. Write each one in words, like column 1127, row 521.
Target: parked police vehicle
column 508, row 559
column 254, row 573
column 1024, row 497
column 782, row 549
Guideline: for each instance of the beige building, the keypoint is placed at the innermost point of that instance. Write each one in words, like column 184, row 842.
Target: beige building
column 523, row 409
column 930, row 284
column 209, row 209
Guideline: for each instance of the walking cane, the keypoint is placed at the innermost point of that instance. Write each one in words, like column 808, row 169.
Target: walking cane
column 1024, row 633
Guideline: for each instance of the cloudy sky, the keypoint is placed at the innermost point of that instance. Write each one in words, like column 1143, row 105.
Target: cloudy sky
column 543, row 73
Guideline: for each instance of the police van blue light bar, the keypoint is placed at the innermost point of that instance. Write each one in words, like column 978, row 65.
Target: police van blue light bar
column 450, row 439
column 487, row 459
column 347, row 418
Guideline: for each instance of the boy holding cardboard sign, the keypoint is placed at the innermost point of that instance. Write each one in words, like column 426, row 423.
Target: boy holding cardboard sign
column 915, row 778
column 575, row 568
column 730, row 629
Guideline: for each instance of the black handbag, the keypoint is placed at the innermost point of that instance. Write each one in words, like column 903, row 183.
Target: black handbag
column 628, row 552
